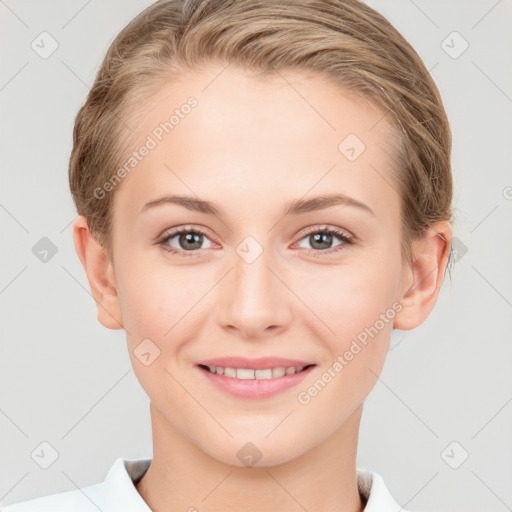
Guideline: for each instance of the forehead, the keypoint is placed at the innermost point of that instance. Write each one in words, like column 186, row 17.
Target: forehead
column 248, row 134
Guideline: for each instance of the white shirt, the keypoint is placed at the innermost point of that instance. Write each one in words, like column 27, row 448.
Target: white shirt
column 117, row 493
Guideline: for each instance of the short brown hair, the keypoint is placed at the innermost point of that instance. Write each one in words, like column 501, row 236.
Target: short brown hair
column 344, row 40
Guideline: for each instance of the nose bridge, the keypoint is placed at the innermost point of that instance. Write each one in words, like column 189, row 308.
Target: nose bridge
column 253, row 279
column 255, row 300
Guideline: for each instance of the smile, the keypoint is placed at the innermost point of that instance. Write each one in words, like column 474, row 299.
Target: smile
column 258, row 374
column 254, row 383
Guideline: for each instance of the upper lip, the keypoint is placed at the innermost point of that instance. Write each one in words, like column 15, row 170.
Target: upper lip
column 260, row 363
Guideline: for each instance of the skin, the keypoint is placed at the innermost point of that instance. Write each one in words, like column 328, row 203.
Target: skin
column 250, row 146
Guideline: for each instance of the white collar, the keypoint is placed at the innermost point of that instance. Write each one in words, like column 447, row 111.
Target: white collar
column 125, row 473
column 117, row 493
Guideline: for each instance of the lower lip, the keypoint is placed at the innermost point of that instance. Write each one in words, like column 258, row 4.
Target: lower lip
column 254, row 388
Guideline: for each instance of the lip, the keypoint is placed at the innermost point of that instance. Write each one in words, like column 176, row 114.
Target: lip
column 260, row 363
column 254, row 388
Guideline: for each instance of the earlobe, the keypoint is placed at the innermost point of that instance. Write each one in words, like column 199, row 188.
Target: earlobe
column 426, row 275
column 100, row 274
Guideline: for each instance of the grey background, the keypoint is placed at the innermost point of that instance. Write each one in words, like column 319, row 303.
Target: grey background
column 67, row 380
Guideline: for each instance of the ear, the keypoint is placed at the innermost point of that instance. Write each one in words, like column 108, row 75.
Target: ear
column 421, row 288
column 100, row 274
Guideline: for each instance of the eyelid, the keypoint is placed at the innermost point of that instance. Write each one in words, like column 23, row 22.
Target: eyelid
column 327, row 227
column 176, row 230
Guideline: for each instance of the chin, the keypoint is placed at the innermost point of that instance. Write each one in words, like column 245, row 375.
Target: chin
column 249, row 454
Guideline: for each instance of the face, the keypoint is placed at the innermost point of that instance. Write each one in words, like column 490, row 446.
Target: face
column 261, row 271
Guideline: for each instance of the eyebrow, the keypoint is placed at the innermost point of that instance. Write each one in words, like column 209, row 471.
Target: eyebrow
column 301, row 206
column 297, row 207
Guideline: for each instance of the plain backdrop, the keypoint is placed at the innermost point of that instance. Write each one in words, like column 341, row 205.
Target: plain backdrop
column 437, row 425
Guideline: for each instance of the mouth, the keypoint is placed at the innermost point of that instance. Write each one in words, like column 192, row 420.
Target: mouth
column 253, row 373
column 254, row 379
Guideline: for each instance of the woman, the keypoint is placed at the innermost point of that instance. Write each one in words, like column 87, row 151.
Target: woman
column 264, row 194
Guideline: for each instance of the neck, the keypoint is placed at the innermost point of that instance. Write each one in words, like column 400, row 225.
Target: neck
column 183, row 477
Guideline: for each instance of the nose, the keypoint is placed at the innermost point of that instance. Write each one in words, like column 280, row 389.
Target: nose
column 254, row 300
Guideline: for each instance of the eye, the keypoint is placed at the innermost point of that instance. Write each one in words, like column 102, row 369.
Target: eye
column 188, row 240
column 322, row 239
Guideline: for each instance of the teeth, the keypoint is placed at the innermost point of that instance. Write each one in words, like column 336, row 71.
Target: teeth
column 249, row 373
column 278, row 372
column 228, row 372
column 244, row 373
column 262, row 374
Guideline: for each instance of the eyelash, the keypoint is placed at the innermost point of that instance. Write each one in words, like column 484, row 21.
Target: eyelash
column 348, row 240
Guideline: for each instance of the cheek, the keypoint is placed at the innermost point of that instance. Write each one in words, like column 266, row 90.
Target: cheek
column 155, row 302
column 155, row 299
column 161, row 304
column 355, row 355
column 355, row 306
column 351, row 297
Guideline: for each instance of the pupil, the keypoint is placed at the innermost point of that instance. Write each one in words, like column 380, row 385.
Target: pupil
column 317, row 238
column 191, row 238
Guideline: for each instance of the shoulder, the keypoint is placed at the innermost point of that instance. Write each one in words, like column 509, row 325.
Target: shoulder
column 375, row 493
column 78, row 500
column 117, row 493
